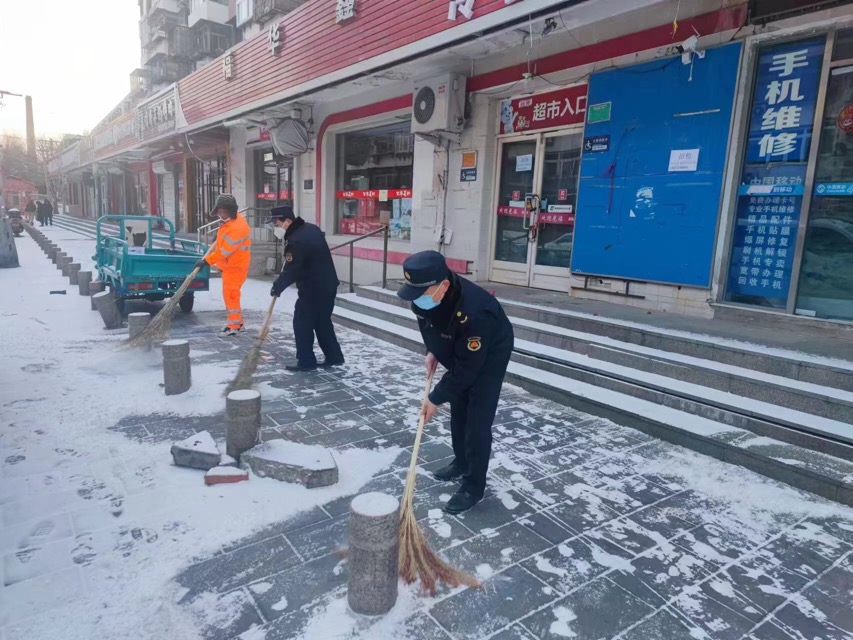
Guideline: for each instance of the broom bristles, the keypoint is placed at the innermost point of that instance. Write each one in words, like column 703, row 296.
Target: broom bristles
column 158, row 329
column 243, row 379
column 415, row 558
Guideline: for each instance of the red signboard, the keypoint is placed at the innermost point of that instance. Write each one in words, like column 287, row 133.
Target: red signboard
column 282, row 195
column 375, row 194
column 544, row 110
column 547, row 218
column 562, row 195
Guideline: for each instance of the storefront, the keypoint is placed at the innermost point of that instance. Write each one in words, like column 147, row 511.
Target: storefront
column 374, row 174
column 790, row 248
column 541, row 137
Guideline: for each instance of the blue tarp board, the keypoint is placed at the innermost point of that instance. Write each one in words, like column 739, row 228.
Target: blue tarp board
column 639, row 216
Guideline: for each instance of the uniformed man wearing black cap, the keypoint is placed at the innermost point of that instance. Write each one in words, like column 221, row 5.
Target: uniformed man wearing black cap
column 466, row 330
column 308, row 264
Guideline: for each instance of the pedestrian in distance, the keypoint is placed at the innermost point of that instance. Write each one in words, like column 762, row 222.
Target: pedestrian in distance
column 308, row 264
column 48, row 213
column 30, row 210
column 41, row 212
column 231, row 254
column 465, row 329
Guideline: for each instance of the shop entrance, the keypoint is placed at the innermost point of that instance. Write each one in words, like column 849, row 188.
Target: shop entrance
column 535, row 212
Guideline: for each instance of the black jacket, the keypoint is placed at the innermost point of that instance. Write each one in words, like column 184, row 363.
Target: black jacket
column 469, row 334
column 307, row 261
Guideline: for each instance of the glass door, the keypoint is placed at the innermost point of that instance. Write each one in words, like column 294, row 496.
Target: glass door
column 555, row 224
column 826, row 277
column 535, row 211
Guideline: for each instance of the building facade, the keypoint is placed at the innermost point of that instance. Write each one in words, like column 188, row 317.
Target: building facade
column 681, row 157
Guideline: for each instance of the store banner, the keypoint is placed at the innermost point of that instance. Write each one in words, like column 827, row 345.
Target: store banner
column 543, row 217
column 282, row 195
column 375, row 194
column 544, row 111
column 784, row 102
column 770, row 196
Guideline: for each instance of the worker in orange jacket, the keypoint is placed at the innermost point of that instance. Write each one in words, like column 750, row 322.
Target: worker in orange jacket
column 231, row 254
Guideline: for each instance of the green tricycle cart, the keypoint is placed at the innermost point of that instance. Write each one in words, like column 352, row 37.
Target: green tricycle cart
column 137, row 265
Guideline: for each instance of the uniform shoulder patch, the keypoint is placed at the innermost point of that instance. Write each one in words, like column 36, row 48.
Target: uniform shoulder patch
column 474, row 344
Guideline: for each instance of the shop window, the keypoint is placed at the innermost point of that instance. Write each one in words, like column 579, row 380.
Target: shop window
column 273, row 177
column 374, row 181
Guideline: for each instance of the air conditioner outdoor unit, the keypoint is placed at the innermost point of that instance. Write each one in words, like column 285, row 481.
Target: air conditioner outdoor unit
column 439, row 104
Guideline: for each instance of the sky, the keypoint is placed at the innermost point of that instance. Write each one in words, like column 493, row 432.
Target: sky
column 73, row 58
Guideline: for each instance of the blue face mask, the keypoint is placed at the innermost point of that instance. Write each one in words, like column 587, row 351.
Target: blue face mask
column 426, row 303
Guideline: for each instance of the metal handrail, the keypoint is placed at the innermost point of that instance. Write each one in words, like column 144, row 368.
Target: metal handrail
column 384, row 230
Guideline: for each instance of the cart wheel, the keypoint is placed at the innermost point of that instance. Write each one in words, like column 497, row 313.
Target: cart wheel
column 186, row 302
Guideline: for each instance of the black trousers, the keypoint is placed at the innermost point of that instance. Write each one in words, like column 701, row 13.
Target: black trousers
column 313, row 316
column 471, row 418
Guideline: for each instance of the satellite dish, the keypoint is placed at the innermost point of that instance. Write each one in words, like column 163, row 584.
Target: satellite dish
column 290, row 137
column 424, row 105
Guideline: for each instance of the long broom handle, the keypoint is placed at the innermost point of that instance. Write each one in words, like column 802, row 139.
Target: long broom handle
column 410, row 478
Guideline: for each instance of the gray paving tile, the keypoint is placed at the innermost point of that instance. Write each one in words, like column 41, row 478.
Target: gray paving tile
column 496, row 509
column 716, row 619
column 297, row 521
column 320, row 539
column 799, row 620
column 664, row 624
column 515, row 632
column 808, row 549
column 494, row 550
column 832, row 595
column 509, row 595
column 661, row 573
column 714, row 544
column 229, row 571
column 232, row 614
column 543, row 524
column 575, row 562
column 302, row 585
column 601, row 609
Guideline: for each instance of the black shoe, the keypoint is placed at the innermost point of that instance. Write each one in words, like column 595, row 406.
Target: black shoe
column 296, row 366
column 460, row 502
column 450, row 472
column 334, row 363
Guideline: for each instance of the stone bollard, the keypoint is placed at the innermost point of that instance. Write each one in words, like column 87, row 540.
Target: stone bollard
column 73, row 271
column 243, row 421
column 95, row 287
column 60, row 259
column 51, row 252
column 55, row 257
column 374, row 525
column 84, row 279
column 66, row 263
column 177, row 373
column 106, row 306
column 136, row 323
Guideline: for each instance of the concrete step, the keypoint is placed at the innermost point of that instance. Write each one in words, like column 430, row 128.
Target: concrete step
column 756, row 413
column 647, row 409
column 793, row 365
column 816, row 400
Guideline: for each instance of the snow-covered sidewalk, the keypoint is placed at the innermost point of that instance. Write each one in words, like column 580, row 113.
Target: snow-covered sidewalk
column 589, row 530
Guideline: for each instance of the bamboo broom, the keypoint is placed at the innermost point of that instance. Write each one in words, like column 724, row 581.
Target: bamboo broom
column 416, row 559
column 158, row 329
column 243, row 379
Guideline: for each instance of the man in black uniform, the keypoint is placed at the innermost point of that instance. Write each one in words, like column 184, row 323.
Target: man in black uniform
column 308, row 263
column 466, row 330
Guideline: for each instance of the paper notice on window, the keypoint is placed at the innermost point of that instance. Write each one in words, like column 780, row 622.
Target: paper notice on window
column 683, row 159
column 524, row 163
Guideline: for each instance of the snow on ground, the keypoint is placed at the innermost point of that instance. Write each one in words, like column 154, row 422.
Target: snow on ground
column 67, row 387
